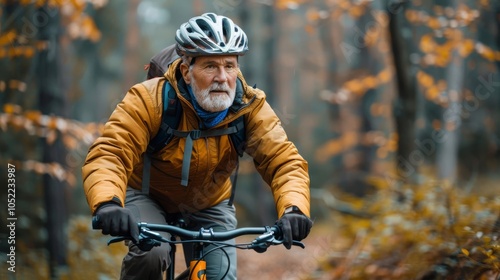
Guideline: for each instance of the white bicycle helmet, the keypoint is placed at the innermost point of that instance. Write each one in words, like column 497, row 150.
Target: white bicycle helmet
column 210, row 34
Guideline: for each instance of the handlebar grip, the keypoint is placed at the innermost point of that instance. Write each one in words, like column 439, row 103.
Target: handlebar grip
column 298, row 243
column 96, row 224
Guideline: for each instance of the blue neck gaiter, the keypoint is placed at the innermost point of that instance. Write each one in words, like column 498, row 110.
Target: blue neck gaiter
column 209, row 119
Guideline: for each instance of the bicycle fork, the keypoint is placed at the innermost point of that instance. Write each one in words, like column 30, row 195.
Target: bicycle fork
column 198, row 266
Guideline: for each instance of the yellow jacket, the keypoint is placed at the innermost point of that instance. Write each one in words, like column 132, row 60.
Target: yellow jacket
column 115, row 160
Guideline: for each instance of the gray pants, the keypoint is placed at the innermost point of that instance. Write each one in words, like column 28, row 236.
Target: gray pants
column 151, row 265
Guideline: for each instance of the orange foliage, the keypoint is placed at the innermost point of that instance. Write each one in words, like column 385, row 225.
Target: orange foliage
column 79, row 26
column 434, row 90
column 446, row 21
column 360, row 86
column 412, row 231
column 436, row 125
column 350, row 139
column 335, row 146
column 444, row 18
column 355, row 86
column 313, row 14
column 354, row 8
column 73, row 133
column 34, row 122
column 356, row 11
column 389, row 145
column 432, row 93
column 425, row 79
column 385, row 75
column 7, row 38
column 380, row 109
column 287, row 4
column 15, row 44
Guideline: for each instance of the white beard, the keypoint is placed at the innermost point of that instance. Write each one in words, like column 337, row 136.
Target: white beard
column 213, row 102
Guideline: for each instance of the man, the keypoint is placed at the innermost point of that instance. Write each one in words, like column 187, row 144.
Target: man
column 212, row 92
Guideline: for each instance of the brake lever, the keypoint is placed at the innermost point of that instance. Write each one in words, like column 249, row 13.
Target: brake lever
column 118, row 239
column 299, row 244
column 147, row 239
column 147, row 234
column 275, row 241
column 262, row 242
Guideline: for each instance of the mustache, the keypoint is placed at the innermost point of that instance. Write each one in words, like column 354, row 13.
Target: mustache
column 219, row 87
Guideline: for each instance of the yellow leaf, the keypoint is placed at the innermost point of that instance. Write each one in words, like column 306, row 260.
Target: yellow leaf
column 433, row 23
column 33, row 115
column 382, row 152
column 432, row 93
column 385, row 75
column 411, row 15
column 370, row 82
column 356, row 11
column 465, row 252
column 312, row 15
column 466, row 47
column 425, row 79
column 427, row 44
column 354, row 86
column 436, row 124
column 10, row 108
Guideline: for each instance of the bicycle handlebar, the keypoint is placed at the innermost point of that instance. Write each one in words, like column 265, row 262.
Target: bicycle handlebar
column 148, row 238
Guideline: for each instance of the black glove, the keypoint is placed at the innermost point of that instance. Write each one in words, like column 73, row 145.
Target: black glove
column 294, row 226
column 116, row 221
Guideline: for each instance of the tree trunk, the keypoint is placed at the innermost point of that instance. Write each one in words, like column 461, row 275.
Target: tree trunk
column 132, row 45
column 52, row 101
column 405, row 107
column 447, row 150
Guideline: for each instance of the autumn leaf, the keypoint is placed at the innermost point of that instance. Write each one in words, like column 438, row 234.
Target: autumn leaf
column 427, row 44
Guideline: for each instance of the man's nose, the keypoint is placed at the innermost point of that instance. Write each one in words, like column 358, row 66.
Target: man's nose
column 221, row 75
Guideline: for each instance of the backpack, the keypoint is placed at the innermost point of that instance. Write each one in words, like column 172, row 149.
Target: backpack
column 172, row 112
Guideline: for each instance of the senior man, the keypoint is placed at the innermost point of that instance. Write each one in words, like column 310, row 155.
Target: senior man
column 190, row 176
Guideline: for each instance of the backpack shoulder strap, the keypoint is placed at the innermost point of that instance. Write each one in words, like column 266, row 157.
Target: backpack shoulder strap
column 171, row 115
column 238, row 138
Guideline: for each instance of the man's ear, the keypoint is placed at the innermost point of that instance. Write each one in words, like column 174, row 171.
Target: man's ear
column 185, row 73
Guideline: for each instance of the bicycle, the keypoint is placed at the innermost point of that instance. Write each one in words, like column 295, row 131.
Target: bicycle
column 149, row 238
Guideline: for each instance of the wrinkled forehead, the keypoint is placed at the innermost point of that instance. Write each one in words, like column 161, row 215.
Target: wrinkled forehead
column 216, row 59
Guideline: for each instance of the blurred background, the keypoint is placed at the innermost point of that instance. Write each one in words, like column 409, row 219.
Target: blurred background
column 395, row 105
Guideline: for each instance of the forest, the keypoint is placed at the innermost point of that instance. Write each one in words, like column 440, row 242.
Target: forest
column 395, row 105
